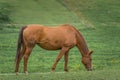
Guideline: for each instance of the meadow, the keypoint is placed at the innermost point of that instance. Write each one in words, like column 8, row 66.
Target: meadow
column 97, row 20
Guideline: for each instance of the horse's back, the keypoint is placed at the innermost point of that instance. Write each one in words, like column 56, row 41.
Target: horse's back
column 51, row 37
column 64, row 30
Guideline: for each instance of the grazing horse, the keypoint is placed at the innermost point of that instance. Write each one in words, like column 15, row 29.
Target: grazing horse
column 62, row 38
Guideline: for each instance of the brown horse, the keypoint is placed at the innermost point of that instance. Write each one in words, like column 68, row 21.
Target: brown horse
column 63, row 37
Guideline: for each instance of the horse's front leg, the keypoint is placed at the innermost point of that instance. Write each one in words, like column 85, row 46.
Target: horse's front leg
column 66, row 61
column 62, row 52
column 26, row 56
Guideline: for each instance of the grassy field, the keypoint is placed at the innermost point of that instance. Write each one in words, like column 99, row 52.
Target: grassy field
column 82, row 75
column 103, row 37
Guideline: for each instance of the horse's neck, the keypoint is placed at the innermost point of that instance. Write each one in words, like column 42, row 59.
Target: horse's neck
column 83, row 50
column 82, row 46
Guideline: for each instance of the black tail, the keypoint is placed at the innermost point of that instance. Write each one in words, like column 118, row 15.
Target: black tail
column 20, row 42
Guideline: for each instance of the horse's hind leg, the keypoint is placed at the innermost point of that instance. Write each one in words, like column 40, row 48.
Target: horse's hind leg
column 62, row 52
column 26, row 56
column 19, row 59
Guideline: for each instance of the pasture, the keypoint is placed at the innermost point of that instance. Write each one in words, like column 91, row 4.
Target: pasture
column 98, row 21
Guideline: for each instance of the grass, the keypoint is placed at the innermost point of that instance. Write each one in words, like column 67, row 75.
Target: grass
column 83, row 75
column 103, row 39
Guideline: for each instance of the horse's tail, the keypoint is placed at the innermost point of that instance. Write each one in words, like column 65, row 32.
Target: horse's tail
column 20, row 42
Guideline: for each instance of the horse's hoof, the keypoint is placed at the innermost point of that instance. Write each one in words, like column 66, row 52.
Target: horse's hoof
column 26, row 73
column 17, row 73
column 66, row 70
column 53, row 70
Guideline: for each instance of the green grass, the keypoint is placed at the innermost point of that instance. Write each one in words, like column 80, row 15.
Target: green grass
column 103, row 39
column 42, row 12
column 82, row 75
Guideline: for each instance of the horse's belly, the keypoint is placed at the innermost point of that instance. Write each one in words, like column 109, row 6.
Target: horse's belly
column 50, row 45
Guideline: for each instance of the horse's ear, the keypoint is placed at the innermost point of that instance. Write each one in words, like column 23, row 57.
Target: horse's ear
column 90, row 52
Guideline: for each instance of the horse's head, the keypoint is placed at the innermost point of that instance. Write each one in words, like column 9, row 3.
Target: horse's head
column 87, row 61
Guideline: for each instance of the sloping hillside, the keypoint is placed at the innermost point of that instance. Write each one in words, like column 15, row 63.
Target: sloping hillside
column 40, row 11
